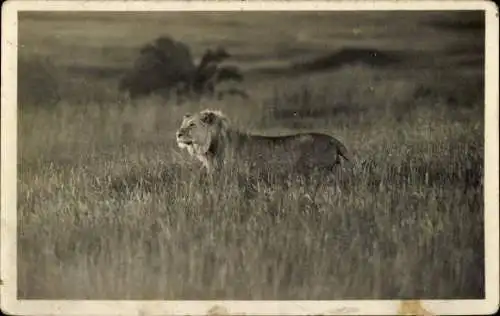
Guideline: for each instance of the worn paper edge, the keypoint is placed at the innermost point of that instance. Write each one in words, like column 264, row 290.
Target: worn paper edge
column 8, row 290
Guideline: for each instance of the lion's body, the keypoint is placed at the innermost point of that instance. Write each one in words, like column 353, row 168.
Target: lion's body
column 208, row 137
column 290, row 153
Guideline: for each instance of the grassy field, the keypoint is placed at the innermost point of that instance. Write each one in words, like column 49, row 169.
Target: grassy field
column 110, row 209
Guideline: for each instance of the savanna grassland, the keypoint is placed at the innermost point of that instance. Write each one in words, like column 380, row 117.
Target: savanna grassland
column 109, row 207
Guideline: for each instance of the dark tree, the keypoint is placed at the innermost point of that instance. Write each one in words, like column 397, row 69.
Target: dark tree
column 167, row 67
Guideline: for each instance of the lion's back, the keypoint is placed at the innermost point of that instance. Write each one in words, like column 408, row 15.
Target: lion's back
column 303, row 150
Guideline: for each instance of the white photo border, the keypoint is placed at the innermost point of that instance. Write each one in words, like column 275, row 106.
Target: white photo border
column 8, row 290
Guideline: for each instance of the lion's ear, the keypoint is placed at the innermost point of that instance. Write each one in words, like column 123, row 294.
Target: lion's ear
column 187, row 115
column 208, row 118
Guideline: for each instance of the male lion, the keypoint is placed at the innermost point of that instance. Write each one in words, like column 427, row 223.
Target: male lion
column 208, row 136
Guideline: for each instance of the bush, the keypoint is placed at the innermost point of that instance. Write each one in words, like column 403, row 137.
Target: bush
column 166, row 67
column 38, row 82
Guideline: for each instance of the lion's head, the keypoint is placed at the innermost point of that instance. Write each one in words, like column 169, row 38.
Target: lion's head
column 201, row 131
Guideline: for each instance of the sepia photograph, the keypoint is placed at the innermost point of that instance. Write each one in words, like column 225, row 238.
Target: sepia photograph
column 207, row 152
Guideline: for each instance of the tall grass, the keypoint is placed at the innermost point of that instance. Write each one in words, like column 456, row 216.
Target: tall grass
column 108, row 209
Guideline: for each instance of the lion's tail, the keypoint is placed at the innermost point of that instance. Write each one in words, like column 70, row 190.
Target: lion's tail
column 346, row 154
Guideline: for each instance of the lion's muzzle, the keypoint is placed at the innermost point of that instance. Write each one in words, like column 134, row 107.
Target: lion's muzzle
column 183, row 140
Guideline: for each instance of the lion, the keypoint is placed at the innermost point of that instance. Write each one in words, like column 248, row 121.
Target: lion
column 209, row 137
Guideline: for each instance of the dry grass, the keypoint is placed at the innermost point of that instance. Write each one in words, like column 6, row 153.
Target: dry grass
column 106, row 215
column 109, row 210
